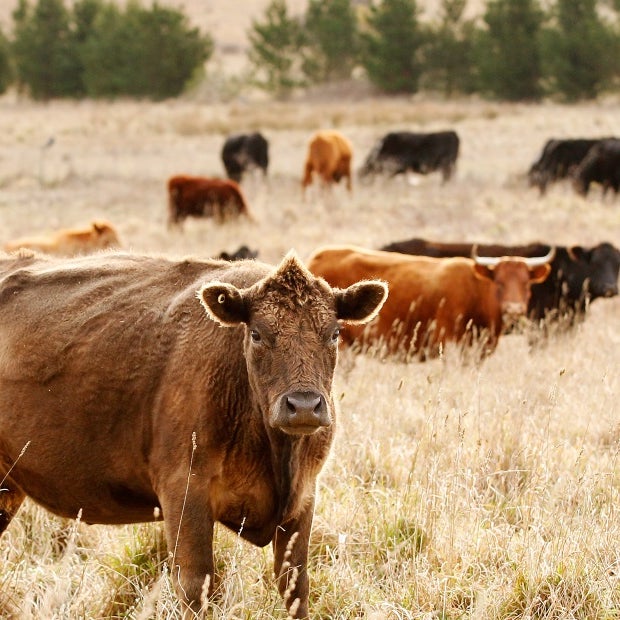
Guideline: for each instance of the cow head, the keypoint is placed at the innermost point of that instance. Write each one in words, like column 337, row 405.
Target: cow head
column 513, row 277
column 104, row 235
column 292, row 322
column 593, row 271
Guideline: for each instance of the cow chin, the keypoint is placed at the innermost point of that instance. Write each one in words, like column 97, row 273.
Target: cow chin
column 300, row 413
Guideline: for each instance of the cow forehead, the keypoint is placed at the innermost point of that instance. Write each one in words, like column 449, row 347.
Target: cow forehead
column 606, row 254
column 509, row 269
column 291, row 294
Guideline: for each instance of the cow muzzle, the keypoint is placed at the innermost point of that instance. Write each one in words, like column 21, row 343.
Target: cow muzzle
column 512, row 315
column 301, row 413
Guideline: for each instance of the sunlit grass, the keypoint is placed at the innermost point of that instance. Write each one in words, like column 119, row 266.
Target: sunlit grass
column 455, row 489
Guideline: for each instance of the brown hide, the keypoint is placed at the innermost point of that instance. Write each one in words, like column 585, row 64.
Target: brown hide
column 121, row 374
column 432, row 301
column 204, row 197
column 98, row 235
column 329, row 156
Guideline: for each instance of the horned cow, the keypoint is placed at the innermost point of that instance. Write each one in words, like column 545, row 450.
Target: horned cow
column 434, row 301
column 579, row 274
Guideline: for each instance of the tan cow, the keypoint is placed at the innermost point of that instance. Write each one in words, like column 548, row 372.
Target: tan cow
column 329, row 156
column 434, row 301
column 137, row 388
column 99, row 235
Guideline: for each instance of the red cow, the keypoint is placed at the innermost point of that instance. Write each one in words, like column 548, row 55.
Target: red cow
column 433, row 301
column 204, row 197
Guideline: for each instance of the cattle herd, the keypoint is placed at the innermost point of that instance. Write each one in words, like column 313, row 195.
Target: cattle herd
column 263, row 339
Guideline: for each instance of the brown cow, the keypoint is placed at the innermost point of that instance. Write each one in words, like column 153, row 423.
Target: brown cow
column 98, row 235
column 329, row 156
column 136, row 388
column 190, row 196
column 433, row 301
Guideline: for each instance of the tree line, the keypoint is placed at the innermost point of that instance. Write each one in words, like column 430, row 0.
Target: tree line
column 516, row 50
column 98, row 49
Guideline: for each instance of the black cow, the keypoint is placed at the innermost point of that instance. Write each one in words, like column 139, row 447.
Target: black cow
column 601, row 165
column 242, row 152
column 557, row 160
column 401, row 151
column 242, row 253
column 578, row 274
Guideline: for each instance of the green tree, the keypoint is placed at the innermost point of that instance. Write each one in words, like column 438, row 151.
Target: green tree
column 6, row 65
column 141, row 52
column 332, row 39
column 449, row 53
column 391, row 46
column 276, row 50
column 579, row 50
column 45, row 62
column 508, row 52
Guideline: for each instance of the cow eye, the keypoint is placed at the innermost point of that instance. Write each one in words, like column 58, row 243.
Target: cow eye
column 335, row 335
column 255, row 336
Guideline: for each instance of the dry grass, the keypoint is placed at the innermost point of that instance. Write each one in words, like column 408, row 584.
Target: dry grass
column 455, row 490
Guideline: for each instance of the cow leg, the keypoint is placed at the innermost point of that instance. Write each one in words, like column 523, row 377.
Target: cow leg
column 189, row 536
column 290, row 548
column 11, row 499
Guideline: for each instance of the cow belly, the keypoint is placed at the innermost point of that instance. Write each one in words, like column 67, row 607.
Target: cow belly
column 73, row 458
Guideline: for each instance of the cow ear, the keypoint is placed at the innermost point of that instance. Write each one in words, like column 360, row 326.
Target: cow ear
column 539, row 273
column 360, row 302
column 483, row 271
column 224, row 303
column 577, row 252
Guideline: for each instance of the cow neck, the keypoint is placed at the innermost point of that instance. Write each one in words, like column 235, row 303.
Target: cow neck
column 285, row 449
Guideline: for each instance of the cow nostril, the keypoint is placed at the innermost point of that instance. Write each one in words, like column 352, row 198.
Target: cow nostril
column 290, row 405
column 302, row 401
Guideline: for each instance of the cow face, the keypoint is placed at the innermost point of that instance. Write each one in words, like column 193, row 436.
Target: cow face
column 513, row 278
column 595, row 270
column 291, row 338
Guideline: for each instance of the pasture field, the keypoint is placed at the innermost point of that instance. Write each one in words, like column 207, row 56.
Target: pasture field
column 455, row 490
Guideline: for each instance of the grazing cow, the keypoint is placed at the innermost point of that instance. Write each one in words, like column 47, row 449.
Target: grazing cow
column 329, row 156
column 204, row 197
column 578, row 274
column 401, row 151
column 433, row 301
column 601, row 165
column 558, row 160
column 137, row 388
column 98, row 235
column 243, row 152
column 242, row 253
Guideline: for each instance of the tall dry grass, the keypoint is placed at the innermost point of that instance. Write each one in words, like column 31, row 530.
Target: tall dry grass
column 455, row 489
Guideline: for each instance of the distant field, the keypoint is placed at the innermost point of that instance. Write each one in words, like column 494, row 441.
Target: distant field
column 486, row 492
